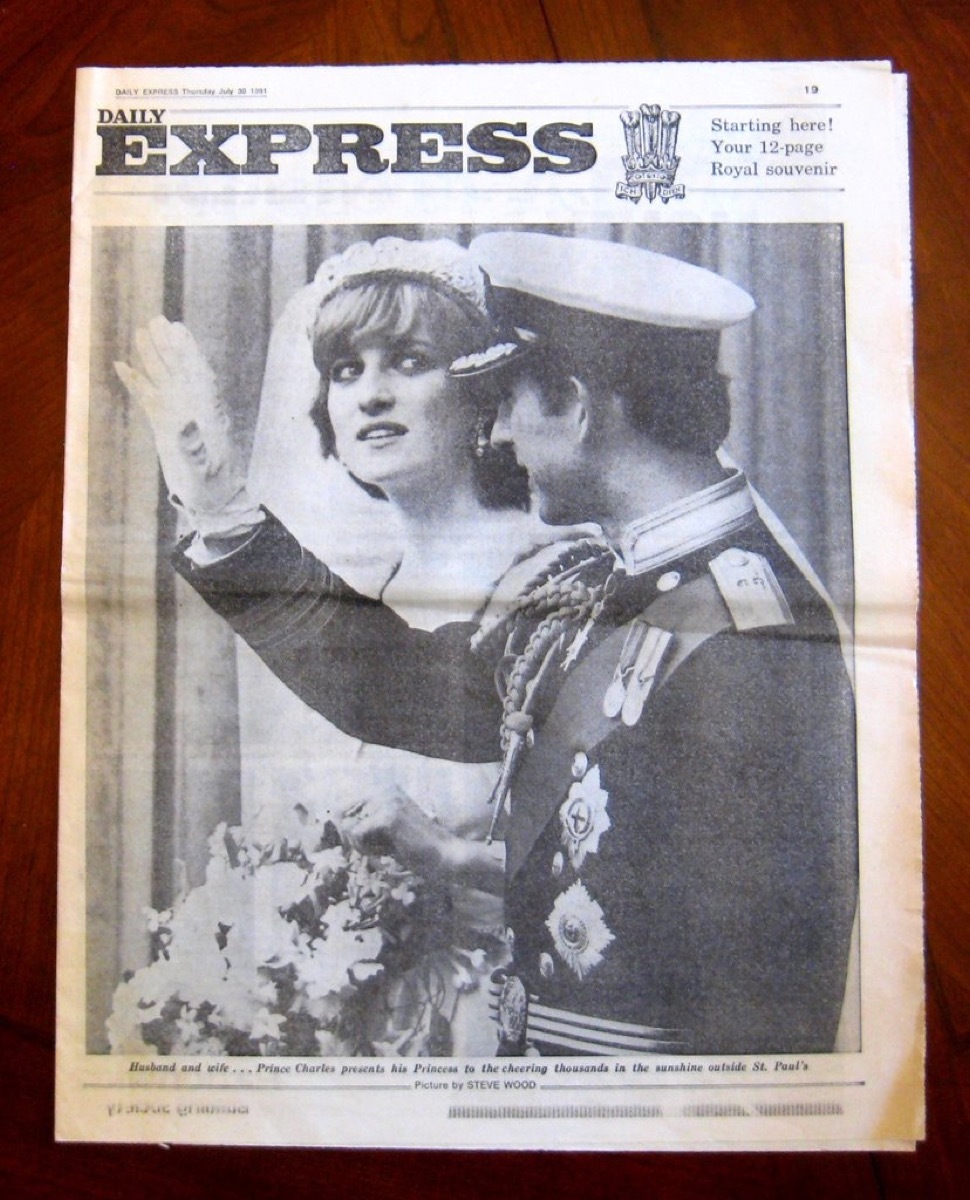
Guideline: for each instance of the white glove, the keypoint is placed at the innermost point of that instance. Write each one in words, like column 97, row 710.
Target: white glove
column 176, row 389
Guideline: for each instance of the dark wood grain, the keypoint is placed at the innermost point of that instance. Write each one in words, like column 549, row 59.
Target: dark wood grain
column 41, row 43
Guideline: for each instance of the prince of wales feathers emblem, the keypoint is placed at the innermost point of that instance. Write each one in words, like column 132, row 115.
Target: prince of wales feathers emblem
column 651, row 160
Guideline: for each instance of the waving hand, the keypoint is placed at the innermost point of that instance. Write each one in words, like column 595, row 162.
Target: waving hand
column 176, row 388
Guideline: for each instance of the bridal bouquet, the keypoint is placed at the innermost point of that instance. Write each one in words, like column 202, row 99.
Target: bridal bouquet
column 295, row 944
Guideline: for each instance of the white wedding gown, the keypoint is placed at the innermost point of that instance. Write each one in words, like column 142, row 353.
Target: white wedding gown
column 291, row 755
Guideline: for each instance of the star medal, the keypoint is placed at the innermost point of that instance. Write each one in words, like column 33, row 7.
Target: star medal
column 583, row 817
column 579, row 931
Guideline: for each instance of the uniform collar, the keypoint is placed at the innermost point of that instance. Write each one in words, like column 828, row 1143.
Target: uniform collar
column 685, row 526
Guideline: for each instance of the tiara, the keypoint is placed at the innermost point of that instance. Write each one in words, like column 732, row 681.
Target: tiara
column 442, row 264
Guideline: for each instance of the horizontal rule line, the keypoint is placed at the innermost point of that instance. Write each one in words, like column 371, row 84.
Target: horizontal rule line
column 695, row 1087
column 306, row 192
column 406, row 1087
column 246, row 193
column 263, row 106
column 700, row 107
column 764, row 191
column 253, row 1087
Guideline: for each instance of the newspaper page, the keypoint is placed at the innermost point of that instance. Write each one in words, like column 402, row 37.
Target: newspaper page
column 489, row 704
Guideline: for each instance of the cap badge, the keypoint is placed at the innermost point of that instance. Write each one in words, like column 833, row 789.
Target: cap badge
column 583, row 817
column 579, row 931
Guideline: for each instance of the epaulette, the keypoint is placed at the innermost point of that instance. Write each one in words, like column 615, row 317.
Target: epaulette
column 750, row 590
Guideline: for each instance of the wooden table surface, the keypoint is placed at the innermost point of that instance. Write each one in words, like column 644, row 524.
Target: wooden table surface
column 41, row 43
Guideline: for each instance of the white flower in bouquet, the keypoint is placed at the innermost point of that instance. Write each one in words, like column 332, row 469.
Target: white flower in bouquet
column 286, row 948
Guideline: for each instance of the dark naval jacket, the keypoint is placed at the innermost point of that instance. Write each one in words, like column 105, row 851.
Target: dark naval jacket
column 681, row 847
column 681, row 855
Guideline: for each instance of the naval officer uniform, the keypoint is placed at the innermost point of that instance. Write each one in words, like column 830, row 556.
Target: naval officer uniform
column 681, row 853
column 681, row 846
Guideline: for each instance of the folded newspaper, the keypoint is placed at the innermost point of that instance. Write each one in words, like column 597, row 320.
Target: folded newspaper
column 489, row 582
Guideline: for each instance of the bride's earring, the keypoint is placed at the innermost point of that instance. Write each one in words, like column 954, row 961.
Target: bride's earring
column 483, row 435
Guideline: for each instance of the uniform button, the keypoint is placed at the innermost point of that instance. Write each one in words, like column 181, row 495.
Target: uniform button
column 547, row 968
column 737, row 558
column 668, row 581
column 510, row 937
column 580, row 764
column 558, row 862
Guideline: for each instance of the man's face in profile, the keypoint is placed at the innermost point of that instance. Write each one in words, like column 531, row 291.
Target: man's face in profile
column 544, row 434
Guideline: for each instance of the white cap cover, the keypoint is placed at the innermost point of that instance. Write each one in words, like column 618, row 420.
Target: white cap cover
column 611, row 279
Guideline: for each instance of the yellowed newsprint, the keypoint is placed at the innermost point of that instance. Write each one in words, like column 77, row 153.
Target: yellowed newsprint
column 489, row 584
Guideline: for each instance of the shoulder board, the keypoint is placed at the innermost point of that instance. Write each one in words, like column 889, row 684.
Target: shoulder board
column 750, row 590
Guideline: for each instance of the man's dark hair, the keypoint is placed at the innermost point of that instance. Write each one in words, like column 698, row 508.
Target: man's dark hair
column 667, row 379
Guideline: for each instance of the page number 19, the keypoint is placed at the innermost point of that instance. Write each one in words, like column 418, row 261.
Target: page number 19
column 811, row 89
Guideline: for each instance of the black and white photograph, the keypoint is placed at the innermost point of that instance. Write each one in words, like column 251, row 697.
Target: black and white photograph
column 480, row 677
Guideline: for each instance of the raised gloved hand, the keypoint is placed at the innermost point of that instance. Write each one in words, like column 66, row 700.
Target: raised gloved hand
column 176, row 388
